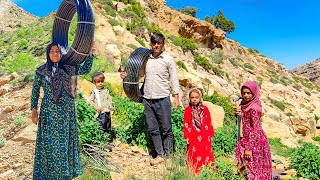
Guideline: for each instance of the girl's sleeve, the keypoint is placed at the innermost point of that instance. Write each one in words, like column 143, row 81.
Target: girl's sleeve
column 85, row 67
column 35, row 92
column 187, row 125
column 254, row 136
column 207, row 123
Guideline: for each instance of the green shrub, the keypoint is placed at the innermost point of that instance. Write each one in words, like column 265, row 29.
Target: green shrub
column 289, row 114
column 99, row 65
column 317, row 138
column 181, row 65
column 277, row 103
column 248, row 66
column 23, row 44
column 109, row 10
column 88, row 126
column 234, row 62
column 218, row 71
column 130, row 123
column 260, row 80
column 224, row 140
column 253, row 51
column 278, row 148
column 188, row 45
column 226, row 104
column 217, row 58
column 132, row 46
column 316, row 118
column 191, row 11
column 140, row 41
column 177, row 41
column 153, row 28
column 202, row 61
column 307, row 92
column 240, row 51
column 22, row 63
column 2, row 141
column 274, row 81
column 306, row 160
column 225, row 171
column 152, row 6
column 113, row 22
column 19, row 121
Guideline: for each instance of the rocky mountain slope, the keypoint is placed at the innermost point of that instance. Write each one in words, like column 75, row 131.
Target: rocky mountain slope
column 310, row 70
column 13, row 17
column 291, row 103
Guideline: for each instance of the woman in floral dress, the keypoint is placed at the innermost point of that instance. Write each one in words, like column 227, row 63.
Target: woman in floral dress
column 57, row 153
column 253, row 150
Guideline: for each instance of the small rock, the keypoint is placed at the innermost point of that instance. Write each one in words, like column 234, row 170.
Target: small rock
column 291, row 172
column 6, row 173
column 135, row 149
column 6, row 79
column 286, row 165
column 285, row 176
column 274, row 165
column 122, row 145
column 17, row 165
column 8, row 109
column 280, row 167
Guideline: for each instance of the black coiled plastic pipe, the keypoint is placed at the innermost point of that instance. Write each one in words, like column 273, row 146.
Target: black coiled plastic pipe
column 133, row 67
column 79, row 51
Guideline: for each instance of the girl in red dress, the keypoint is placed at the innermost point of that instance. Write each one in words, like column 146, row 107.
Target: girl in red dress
column 198, row 132
column 253, row 150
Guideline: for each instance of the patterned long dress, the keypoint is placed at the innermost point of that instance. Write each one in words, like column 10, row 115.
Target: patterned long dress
column 57, row 153
column 254, row 139
column 199, row 149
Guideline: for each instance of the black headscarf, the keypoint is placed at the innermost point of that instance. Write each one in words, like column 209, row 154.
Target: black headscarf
column 59, row 76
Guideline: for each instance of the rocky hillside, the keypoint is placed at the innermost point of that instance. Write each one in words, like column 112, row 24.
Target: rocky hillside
column 13, row 17
column 310, row 70
column 205, row 57
column 208, row 59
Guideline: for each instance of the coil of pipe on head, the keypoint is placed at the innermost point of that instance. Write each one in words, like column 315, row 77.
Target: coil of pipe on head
column 133, row 67
column 79, row 51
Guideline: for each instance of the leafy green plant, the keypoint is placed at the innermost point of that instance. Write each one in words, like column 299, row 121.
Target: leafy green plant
column 234, row 62
column 260, row 80
column 19, row 121
column 316, row 118
column 109, row 10
column 113, row 22
column 132, row 46
column 317, row 138
column 181, row 65
column 306, row 160
column 277, row 103
column 22, row 63
column 202, row 61
column 180, row 144
column 248, row 66
column 2, row 141
column 289, row 114
column 278, row 148
column 224, row 140
column 140, row 41
column 226, row 104
column 130, row 121
column 191, row 11
column 88, row 126
column 225, row 171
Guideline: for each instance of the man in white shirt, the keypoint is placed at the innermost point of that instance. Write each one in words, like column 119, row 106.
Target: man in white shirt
column 159, row 70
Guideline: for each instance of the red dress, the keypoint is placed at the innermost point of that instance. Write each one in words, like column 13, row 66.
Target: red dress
column 199, row 149
column 254, row 139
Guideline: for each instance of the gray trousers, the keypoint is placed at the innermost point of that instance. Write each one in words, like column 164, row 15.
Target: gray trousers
column 158, row 113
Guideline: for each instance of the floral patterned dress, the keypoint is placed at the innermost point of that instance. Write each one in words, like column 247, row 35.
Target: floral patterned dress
column 57, row 153
column 199, row 149
column 254, row 139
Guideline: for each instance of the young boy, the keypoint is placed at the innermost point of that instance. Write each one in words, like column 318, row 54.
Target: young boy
column 102, row 102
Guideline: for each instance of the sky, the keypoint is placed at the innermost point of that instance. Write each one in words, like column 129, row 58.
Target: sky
column 287, row 31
